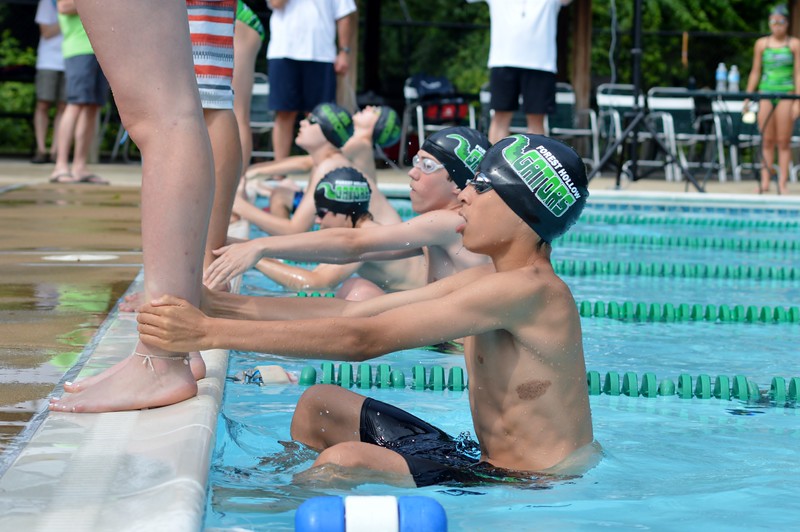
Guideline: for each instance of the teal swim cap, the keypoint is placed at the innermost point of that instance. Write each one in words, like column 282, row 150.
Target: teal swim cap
column 460, row 149
column 541, row 179
column 335, row 121
column 343, row 191
column 387, row 129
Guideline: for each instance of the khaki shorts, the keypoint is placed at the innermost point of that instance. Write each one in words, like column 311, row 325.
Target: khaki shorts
column 51, row 86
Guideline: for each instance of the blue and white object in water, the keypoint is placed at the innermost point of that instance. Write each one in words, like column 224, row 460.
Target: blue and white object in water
column 370, row 514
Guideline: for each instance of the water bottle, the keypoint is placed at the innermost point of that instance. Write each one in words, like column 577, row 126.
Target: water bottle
column 733, row 79
column 722, row 77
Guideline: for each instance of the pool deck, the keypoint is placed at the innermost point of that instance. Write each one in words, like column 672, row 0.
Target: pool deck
column 147, row 470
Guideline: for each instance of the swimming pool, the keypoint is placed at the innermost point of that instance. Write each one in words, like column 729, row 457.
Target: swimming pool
column 671, row 462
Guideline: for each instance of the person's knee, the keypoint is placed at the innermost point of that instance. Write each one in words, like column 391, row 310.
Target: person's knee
column 345, row 454
column 309, row 403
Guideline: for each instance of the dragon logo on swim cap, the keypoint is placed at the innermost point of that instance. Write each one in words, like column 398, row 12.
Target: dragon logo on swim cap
column 460, row 149
column 335, row 121
column 387, row 128
column 541, row 179
column 343, row 191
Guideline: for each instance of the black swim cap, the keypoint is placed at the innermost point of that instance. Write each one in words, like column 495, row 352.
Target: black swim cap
column 387, row 129
column 459, row 149
column 335, row 121
column 343, row 191
column 541, row 179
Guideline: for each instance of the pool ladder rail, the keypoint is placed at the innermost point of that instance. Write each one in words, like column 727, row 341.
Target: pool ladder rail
column 782, row 392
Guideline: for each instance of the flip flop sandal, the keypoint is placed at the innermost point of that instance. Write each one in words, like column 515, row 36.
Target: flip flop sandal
column 93, row 179
column 63, row 178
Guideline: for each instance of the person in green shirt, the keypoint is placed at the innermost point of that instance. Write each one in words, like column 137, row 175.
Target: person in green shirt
column 87, row 92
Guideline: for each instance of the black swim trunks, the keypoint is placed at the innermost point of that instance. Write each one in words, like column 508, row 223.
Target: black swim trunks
column 433, row 456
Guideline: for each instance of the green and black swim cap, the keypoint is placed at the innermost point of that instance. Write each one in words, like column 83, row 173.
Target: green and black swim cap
column 335, row 121
column 541, row 179
column 460, row 149
column 343, row 191
column 387, row 129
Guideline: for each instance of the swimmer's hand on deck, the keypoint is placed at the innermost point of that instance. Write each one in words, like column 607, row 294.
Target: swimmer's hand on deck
column 173, row 324
column 231, row 261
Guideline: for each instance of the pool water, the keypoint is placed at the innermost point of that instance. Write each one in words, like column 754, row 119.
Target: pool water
column 669, row 462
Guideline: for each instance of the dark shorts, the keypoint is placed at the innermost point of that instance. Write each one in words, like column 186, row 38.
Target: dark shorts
column 86, row 83
column 300, row 85
column 537, row 87
column 433, row 456
column 51, row 86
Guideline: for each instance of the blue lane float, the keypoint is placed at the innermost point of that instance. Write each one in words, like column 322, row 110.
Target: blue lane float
column 370, row 513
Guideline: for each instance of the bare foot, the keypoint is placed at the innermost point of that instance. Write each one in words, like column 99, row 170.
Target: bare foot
column 196, row 364
column 139, row 383
column 131, row 302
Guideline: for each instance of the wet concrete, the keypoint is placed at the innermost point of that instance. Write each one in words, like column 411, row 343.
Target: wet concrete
column 67, row 253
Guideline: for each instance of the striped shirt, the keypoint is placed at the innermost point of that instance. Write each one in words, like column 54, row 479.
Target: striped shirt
column 211, row 24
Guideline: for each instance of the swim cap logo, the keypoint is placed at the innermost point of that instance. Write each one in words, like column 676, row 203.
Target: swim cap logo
column 543, row 174
column 338, row 122
column 471, row 158
column 346, row 191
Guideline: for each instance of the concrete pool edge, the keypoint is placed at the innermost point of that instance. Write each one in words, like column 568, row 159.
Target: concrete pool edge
column 142, row 470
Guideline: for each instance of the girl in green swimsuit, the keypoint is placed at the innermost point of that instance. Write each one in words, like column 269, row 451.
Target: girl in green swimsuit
column 776, row 69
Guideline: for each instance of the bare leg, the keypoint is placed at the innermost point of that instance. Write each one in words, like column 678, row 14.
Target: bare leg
column 60, row 106
column 224, row 134
column 246, row 45
column 500, row 126
column 535, row 124
column 85, row 128
column 40, row 123
column 161, row 111
column 326, row 415
column 283, row 135
column 784, row 123
column 64, row 135
column 766, row 123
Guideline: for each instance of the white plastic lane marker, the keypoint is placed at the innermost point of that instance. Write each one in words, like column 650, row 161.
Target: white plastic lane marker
column 369, row 514
column 83, row 257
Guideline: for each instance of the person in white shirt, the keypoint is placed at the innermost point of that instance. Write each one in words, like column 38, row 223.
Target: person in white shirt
column 303, row 60
column 522, row 61
column 51, row 85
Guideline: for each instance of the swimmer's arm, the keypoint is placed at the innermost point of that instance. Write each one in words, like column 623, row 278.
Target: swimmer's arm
column 296, row 278
column 302, row 220
column 240, row 307
column 489, row 303
column 359, row 152
column 298, row 164
column 333, row 246
column 347, row 245
column 755, row 69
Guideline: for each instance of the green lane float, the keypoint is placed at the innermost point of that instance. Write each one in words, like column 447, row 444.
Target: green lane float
column 782, row 392
column 692, row 242
column 700, row 271
column 727, row 222
column 668, row 312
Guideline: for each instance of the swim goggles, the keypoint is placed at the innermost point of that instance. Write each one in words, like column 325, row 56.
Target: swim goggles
column 321, row 212
column 428, row 166
column 481, row 183
column 312, row 119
